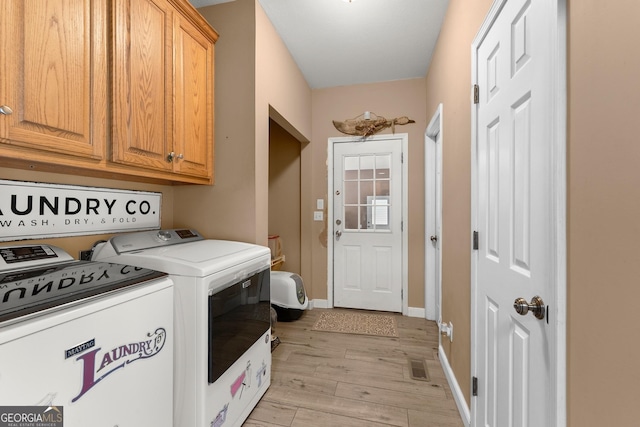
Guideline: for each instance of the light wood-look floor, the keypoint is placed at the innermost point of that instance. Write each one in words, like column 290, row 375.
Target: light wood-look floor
column 346, row 380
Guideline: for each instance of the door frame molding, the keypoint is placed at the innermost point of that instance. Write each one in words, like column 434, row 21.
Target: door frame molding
column 558, row 363
column 402, row 138
column 433, row 143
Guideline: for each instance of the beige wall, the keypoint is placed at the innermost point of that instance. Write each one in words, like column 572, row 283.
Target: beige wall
column 282, row 91
column 254, row 74
column 449, row 82
column 284, row 194
column 227, row 210
column 390, row 100
column 603, row 201
column 604, row 213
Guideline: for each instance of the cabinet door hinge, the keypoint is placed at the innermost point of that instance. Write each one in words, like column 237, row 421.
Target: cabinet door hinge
column 476, row 94
column 475, row 240
column 474, row 387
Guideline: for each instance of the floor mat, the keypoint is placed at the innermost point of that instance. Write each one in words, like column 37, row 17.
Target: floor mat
column 357, row 323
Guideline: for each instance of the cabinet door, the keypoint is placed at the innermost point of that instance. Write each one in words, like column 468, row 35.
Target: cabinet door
column 142, row 83
column 53, row 68
column 193, row 90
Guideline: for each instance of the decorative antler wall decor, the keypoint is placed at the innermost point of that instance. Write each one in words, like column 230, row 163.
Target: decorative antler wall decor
column 369, row 123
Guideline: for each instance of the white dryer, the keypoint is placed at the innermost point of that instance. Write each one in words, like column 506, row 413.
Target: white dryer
column 222, row 319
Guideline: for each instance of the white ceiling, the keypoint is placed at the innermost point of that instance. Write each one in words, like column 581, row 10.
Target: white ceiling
column 337, row 43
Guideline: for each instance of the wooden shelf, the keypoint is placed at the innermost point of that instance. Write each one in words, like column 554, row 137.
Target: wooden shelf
column 276, row 263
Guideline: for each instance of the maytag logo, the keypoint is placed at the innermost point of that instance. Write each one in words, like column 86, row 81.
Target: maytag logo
column 80, row 348
column 31, row 416
column 97, row 364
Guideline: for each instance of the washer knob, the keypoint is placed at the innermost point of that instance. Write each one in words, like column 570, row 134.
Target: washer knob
column 164, row 235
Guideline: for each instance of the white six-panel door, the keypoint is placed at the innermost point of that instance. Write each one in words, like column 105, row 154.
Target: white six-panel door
column 513, row 208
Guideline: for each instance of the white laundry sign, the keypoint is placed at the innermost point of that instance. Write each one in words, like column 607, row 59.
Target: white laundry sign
column 30, row 210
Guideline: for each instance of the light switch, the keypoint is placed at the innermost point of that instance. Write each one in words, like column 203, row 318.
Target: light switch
column 317, row 216
column 320, row 204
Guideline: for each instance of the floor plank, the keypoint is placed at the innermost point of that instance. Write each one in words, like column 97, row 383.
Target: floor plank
column 332, row 379
column 306, row 418
column 269, row 414
column 340, row 406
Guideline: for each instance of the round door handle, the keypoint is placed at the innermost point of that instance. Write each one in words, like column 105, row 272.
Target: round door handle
column 536, row 306
column 6, row 110
column 434, row 239
column 338, row 234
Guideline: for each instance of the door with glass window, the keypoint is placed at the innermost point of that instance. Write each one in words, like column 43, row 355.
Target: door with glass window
column 367, row 221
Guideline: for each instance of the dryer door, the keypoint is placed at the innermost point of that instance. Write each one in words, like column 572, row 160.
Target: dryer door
column 239, row 315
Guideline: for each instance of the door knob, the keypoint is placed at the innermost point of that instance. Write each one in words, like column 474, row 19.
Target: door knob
column 434, row 239
column 338, row 234
column 536, row 306
column 6, row 110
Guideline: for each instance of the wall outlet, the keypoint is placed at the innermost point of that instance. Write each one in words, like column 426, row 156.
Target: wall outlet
column 317, row 216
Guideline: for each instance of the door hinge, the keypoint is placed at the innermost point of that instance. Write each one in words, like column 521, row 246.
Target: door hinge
column 401, row 157
column 475, row 240
column 474, row 387
column 401, row 225
column 476, row 94
column 401, row 294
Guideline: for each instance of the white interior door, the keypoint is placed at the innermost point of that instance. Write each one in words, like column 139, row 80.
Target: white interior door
column 433, row 216
column 367, row 221
column 514, row 201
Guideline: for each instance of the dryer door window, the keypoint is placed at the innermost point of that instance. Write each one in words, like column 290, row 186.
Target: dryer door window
column 238, row 316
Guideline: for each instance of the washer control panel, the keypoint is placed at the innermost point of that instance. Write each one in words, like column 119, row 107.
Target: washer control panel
column 152, row 239
column 31, row 256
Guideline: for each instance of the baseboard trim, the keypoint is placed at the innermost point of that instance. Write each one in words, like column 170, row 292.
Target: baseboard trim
column 416, row 312
column 323, row 303
column 318, row 303
column 455, row 388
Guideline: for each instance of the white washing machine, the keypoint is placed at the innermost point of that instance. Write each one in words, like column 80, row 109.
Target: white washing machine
column 83, row 343
column 222, row 319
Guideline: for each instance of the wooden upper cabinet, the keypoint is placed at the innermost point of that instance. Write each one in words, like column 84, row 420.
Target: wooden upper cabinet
column 53, row 80
column 163, row 87
column 193, row 89
column 115, row 88
column 142, row 83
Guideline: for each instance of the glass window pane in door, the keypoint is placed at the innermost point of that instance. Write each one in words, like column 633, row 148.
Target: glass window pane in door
column 366, row 190
column 382, row 188
column 367, row 165
column 363, row 218
column 351, row 167
column 383, row 164
column 350, row 192
column 351, row 217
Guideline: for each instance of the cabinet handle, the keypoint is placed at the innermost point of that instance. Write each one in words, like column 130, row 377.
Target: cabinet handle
column 6, row 110
column 172, row 155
